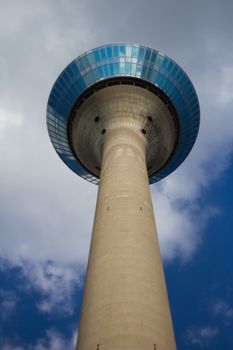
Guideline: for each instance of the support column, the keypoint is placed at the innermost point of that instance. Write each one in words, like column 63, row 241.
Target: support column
column 125, row 304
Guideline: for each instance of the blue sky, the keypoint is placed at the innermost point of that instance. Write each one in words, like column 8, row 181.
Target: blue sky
column 46, row 211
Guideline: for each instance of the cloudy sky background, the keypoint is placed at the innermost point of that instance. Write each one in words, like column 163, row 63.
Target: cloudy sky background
column 46, row 211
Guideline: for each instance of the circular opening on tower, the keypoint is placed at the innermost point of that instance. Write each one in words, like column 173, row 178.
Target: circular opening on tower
column 143, row 131
column 103, row 131
column 149, row 118
column 97, row 119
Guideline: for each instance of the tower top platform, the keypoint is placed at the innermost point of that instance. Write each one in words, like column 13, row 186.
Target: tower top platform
column 126, row 65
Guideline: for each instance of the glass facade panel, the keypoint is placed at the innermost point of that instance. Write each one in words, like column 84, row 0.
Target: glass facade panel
column 153, row 56
column 115, row 51
column 133, row 69
column 135, row 51
column 164, row 65
column 100, row 70
column 141, row 53
column 116, row 68
column 138, row 70
column 103, row 53
column 122, row 50
column 122, row 68
column 127, row 68
column 105, row 70
column 144, row 70
column 75, row 70
column 91, row 58
column 97, row 55
column 70, row 72
column 147, row 56
column 111, row 69
column 109, row 51
column 85, row 61
column 159, row 60
column 66, row 77
column 128, row 51
column 169, row 68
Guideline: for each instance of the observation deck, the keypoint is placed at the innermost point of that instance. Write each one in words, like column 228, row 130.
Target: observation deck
column 116, row 84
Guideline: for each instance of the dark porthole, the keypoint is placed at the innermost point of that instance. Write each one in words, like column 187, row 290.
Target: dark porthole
column 143, row 131
column 103, row 131
column 97, row 119
column 97, row 168
column 149, row 118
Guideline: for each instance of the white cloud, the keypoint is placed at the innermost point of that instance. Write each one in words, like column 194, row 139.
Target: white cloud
column 201, row 336
column 52, row 341
column 55, row 285
column 222, row 310
column 8, row 302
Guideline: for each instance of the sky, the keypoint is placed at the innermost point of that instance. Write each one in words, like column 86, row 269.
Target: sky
column 46, row 211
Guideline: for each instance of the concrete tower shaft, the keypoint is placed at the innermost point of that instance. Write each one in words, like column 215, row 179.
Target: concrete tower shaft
column 125, row 300
column 124, row 116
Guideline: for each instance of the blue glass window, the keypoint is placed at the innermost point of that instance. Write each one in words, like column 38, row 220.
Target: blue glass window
column 138, row 70
column 164, row 64
column 174, row 71
column 91, row 58
column 154, row 75
column 81, row 84
column 122, row 68
column 149, row 73
column 58, row 88
column 106, row 70
column 115, row 51
column 162, row 80
column 144, row 69
column 56, row 91
column 128, row 51
column 109, row 51
column 141, row 53
column 135, row 51
column 65, row 77
column 116, row 68
column 111, row 69
column 71, row 74
column 75, row 69
column 62, row 82
column 85, row 61
column 179, row 75
column 147, row 54
column 169, row 68
column 122, row 50
column 133, row 69
column 97, row 55
column 159, row 60
column 127, row 68
column 153, row 56
column 52, row 104
column 100, row 72
column 103, row 53
column 91, row 78
column 80, row 65
column 96, row 74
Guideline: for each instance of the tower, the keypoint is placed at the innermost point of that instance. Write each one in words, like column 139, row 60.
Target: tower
column 124, row 116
